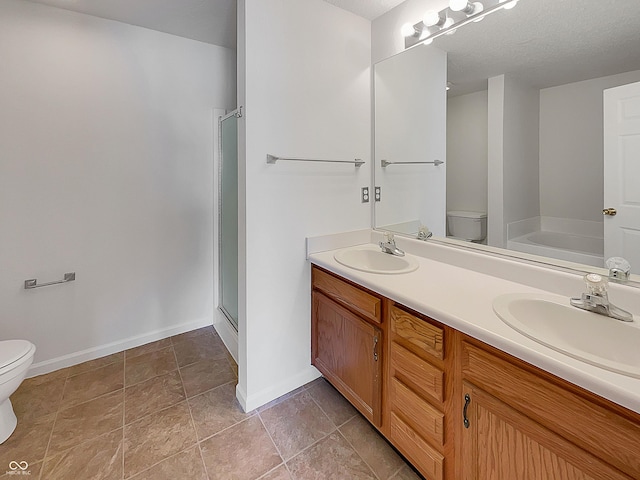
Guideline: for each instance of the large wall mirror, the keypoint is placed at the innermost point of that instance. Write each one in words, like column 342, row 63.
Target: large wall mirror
column 534, row 113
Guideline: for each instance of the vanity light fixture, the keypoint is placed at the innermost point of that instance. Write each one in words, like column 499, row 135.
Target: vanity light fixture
column 447, row 20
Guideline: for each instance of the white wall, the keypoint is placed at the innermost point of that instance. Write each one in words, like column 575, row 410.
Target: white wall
column 521, row 151
column 106, row 170
column 306, row 92
column 571, row 147
column 496, row 229
column 513, row 175
column 467, row 152
column 410, row 121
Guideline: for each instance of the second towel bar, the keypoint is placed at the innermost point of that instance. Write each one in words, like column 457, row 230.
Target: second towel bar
column 384, row 163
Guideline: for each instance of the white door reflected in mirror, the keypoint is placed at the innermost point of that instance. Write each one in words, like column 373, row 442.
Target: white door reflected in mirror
column 622, row 172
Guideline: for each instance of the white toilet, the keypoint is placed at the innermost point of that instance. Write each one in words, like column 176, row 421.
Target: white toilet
column 469, row 226
column 16, row 356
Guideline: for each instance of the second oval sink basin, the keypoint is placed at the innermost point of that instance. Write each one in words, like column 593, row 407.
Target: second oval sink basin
column 592, row 338
column 371, row 259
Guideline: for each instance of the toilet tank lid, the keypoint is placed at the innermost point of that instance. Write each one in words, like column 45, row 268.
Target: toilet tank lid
column 466, row 214
column 13, row 350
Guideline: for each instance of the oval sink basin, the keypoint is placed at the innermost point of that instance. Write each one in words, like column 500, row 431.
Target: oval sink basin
column 372, row 260
column 592, row 338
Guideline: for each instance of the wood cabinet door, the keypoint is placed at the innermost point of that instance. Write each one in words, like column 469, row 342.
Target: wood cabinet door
column 500, row 443
column 347, row 350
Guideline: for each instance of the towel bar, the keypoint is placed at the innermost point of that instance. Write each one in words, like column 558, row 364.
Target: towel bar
column 273, row 159
column 33, row 282
column 384, row 163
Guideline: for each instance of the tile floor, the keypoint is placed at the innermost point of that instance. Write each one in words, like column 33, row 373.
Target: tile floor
column 167, row 410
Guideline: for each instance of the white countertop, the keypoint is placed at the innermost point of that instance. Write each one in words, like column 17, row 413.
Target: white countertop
column 462, row 299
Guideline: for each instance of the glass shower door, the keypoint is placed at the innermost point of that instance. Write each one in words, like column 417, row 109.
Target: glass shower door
column 228, row 227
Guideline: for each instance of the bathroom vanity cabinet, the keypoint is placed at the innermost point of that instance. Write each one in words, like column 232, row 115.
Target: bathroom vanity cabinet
column 457, row 408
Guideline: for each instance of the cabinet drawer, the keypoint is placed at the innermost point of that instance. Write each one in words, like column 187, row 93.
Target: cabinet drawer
column 424, row 457
column 426, row 337
column 422, row 417
column 363, row 302
column 416, row 372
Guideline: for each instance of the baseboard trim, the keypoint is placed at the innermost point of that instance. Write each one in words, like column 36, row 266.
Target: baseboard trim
column 227, row 333
column 47, row 366
column 258, row 399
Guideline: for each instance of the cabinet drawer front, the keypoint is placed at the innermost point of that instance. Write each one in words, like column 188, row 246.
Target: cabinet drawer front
column 428, row 338
column 424, row 457
column 422, row 417
column 418, row 373
column 363, row 302
column 604, row 433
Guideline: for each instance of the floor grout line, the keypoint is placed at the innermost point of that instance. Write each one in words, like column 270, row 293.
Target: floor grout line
column 270, row 437
column 226, row 428
column 160, row 461
column 360, row 456
column 338, row 427
column 124, row 408
column 53, row 426
column 193, row 423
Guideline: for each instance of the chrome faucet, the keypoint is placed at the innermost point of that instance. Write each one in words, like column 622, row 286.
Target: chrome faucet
column 619, row 268
column 596, row 299
column 389, row 245
column 424, row 234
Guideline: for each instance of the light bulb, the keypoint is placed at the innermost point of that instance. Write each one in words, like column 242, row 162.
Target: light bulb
column 428, row 41
column 431, row 18
column 458, row 5
column 408, row 30
column 510, row 4
column 447, row 23
column 478, row 8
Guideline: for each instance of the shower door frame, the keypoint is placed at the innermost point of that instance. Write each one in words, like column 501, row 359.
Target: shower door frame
column 232, row 322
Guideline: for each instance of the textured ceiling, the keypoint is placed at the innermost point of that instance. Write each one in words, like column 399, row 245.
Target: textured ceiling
column 210, row 21
column 546, row 43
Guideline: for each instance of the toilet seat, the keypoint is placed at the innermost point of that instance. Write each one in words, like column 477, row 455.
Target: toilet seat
column 12, row 351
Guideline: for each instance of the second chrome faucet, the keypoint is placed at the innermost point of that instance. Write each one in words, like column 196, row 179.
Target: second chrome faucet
column 596, row 299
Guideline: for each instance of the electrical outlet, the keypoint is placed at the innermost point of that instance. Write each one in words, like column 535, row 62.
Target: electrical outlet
column 365, row 195
column 377, row 193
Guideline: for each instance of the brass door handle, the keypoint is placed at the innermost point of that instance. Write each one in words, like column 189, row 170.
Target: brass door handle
column 610, row 211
